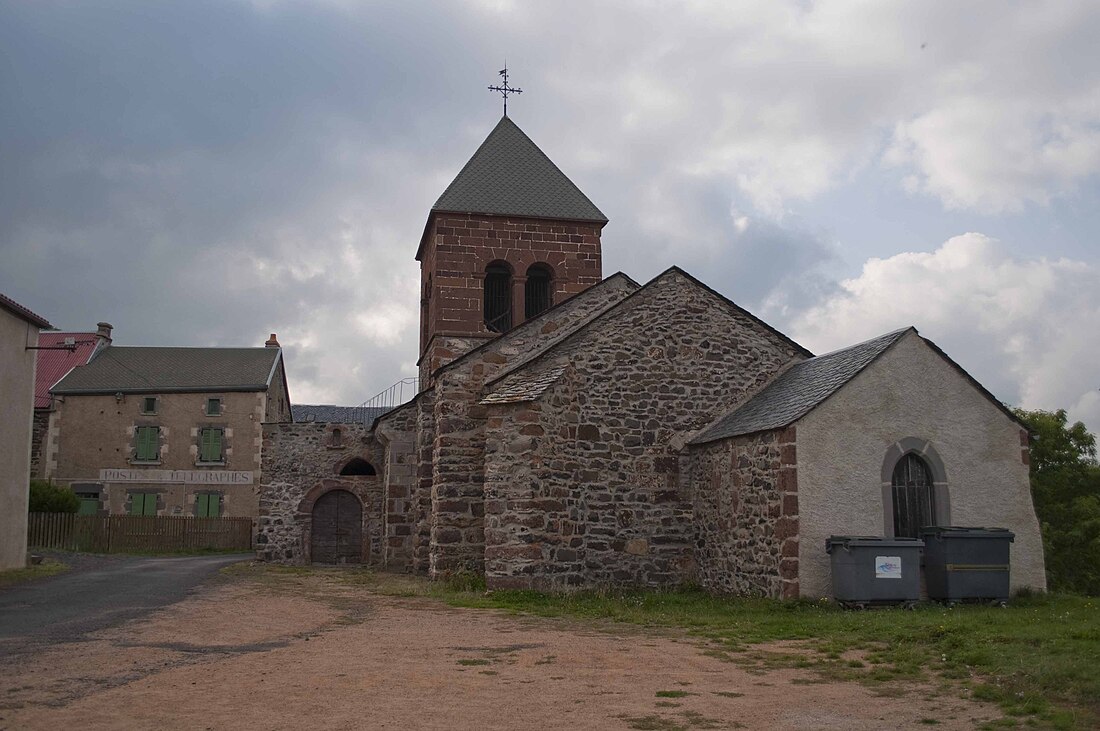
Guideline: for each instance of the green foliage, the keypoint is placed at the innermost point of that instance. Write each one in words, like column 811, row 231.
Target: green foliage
column 1065, row 484
column 47, row 497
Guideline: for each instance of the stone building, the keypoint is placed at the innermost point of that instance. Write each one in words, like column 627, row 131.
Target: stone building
column 18, row 340
column 59, row 352
column 574, row 430
column 166, row 430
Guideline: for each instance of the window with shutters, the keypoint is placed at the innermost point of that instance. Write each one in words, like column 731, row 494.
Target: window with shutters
column 208, row 506
column 536, row 291
column 213, row 407
column 147, row 444
column 211, row 447
column 498, row 298
column 89, row 503
column 143, row 503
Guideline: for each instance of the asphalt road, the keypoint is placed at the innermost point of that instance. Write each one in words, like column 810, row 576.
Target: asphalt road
column 96, row 593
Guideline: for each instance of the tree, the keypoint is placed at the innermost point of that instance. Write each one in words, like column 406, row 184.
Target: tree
column 47, row 497
column 1065, row 485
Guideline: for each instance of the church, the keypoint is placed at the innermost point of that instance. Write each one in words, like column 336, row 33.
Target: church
column 574, row 430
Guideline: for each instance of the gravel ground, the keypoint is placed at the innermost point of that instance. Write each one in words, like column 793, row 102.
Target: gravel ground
column 311, row 651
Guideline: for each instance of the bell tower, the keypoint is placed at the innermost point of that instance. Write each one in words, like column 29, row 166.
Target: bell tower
column 510, row 237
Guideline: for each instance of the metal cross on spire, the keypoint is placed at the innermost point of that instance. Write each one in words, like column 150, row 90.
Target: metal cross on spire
column 505, row 90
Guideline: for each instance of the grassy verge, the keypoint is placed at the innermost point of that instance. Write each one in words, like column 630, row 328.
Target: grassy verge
column 1039, row 659
column 48, row 567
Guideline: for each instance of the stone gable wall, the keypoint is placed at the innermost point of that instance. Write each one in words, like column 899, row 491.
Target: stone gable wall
column 458, row 427
column 299, row 460
column 593, row 465
column 746, row 514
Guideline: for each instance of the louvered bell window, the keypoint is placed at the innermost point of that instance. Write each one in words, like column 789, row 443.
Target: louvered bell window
column 536, row 291
column 498, row 298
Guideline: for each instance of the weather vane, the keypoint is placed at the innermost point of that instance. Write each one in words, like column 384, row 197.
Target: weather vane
column 505, row 90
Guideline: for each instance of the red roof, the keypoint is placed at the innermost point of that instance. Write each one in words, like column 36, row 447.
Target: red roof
column 52, row 365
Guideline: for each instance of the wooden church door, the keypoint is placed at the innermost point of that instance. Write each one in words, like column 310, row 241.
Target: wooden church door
column 337, row 531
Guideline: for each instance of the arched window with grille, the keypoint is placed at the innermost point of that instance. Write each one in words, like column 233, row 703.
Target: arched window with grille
column 498, row 297
column 914, row 496
column 537, row 291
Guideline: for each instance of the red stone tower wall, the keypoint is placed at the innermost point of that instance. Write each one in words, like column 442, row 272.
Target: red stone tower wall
column 458, row 248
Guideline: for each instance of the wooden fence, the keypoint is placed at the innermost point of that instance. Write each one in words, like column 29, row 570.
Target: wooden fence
column 122, row 533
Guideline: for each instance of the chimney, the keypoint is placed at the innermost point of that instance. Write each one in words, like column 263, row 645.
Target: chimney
column 102, row 338
column 272, row 342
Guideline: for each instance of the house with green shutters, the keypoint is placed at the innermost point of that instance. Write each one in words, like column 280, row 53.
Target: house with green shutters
column 166, row 430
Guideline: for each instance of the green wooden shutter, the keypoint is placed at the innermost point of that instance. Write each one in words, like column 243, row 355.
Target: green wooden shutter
column 214, row 506
column 210, row 449
column 143, row 503
column 147, row 443
column 88, row 506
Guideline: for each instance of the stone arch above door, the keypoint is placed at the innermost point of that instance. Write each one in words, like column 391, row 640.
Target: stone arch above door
column 924, row 449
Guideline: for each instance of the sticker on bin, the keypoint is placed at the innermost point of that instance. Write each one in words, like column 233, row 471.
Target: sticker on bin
column 887, row 567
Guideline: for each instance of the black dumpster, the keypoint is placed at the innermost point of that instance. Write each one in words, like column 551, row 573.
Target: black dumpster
column 874, row 570
column 962, row 564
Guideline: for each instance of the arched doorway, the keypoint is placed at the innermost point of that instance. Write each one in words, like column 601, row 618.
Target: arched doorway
column 336, row 533
column 914, row 499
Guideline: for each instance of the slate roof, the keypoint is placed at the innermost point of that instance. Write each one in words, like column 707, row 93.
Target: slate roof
column 163, row 370
column 524, row 386
column 51, row 365
column 799, row 389
column 6, row 303
column 326, row 413
column 509, row 175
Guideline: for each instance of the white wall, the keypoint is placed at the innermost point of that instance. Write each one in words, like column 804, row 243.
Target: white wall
column 911, row 391
column 16, row 412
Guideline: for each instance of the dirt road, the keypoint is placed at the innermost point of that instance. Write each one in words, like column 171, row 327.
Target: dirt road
column 312, row 651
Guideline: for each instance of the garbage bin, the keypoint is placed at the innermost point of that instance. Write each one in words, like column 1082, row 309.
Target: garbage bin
column 875, row 570
column 967, row 563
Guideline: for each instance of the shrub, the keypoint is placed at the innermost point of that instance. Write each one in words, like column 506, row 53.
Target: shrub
column 47, row 497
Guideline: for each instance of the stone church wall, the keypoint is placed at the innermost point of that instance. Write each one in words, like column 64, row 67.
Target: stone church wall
column 457, row 459
column 746, row 514
column 302, row 462
column 583, row 486
column 397, row 434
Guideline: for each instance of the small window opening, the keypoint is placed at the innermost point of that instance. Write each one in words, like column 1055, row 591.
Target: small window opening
column 498, row 298
column 914, row 502
column 358, row 467
column 149, row 405
column 213, row 407
column 337, row 437
column 536, row 291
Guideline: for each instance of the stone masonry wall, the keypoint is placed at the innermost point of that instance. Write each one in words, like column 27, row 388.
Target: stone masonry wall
column 593, row 465
column 39, row 432
column 300, row 463
column 458, row 455
column 746, row 514
column 397, row 434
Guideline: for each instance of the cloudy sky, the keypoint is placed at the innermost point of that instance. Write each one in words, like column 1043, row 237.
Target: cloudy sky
column 205, row 173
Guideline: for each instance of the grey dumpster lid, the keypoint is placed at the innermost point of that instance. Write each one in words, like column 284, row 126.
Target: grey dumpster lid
column 961, row 531
column 872, row 541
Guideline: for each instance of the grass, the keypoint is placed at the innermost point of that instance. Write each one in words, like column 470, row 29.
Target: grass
column 1036, row 659
column 48, row 567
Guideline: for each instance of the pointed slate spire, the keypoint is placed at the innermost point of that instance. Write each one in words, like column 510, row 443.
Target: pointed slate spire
column 510, row 176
